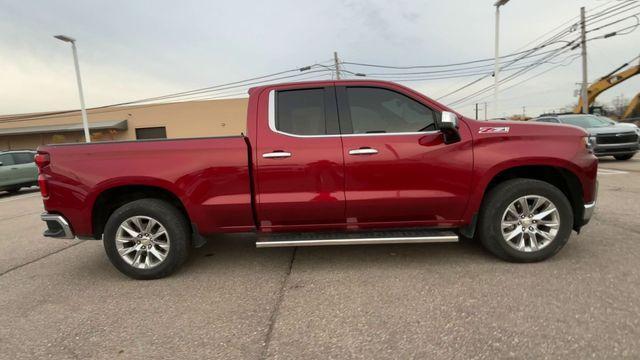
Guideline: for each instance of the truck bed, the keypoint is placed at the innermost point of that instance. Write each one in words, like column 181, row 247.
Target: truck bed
column 209, row 176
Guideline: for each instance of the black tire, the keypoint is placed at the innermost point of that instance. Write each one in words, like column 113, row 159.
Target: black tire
column 175, row 224
column 623, row 157
column 14, row 190
column 495, row 205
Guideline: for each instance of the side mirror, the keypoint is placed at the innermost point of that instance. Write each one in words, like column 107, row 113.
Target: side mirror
column 449, row 127
column 449, row 118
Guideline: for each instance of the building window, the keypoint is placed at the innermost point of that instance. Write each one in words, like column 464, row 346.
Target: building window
column 159, row 132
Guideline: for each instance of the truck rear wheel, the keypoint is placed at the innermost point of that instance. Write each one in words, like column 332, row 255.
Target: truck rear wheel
column 147, row 239
column 525, row 220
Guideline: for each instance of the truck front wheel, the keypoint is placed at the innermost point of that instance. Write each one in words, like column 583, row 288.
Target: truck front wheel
column 146, row 239
column 525, row 220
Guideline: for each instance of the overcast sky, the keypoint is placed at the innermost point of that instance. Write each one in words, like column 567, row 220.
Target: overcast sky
column 136, row 49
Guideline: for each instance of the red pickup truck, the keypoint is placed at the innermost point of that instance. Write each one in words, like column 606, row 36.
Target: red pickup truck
column 326, row 163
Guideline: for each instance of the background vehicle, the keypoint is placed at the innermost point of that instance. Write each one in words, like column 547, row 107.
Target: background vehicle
column 607, row 137
column 326, row 163
column 17, row 170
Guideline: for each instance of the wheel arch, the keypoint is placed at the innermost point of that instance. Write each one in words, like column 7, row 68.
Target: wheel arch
column 561, row 177
column 110, row 199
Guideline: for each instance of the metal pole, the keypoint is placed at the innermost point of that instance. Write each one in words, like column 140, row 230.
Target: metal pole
column 476, row 111
column 485, row 110
column 496, row 69
column 523, row 113
column 337, row 64
column 83, row 110
column 583, row 45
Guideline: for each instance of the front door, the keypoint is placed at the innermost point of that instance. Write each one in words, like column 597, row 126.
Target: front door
column 398, row 171
column 300, row 170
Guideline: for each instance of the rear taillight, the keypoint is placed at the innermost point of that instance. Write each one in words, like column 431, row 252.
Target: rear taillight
column 42, row 183
column 42, row 160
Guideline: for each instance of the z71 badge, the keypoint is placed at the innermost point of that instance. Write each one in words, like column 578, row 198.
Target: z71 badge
column 494, row 130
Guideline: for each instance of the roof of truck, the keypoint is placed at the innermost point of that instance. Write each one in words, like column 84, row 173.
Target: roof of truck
column 328, row 83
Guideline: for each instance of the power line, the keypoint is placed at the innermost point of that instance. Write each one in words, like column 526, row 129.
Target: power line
column 483, row 90
column 216, row 88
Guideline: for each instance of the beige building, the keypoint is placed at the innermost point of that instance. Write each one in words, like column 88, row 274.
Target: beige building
column 170, row 120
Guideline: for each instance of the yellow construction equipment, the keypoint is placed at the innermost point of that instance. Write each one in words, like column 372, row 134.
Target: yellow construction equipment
column 607, row 82
column 633, row 109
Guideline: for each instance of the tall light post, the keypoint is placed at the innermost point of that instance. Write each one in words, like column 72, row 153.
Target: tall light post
column 83, row 110
column 496, row 69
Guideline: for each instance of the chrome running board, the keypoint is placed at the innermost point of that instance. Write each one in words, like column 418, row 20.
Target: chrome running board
column 357, row 238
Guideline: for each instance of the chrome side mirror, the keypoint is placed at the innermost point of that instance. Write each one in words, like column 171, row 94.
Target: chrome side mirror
column 449, row 118
column 449, row 127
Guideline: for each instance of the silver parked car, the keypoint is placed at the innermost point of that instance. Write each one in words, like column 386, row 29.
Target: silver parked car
column 17, row 170
column 607, row 137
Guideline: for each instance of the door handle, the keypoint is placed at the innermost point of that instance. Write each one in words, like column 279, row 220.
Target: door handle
column 276, row 154
column 363, row 151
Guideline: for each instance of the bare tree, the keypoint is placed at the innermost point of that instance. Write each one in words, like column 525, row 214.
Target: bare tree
column 619, row 104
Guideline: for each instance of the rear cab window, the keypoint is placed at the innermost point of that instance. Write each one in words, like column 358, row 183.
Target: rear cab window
column 306, row 112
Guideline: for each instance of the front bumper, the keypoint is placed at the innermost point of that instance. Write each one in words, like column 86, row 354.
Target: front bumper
column 57, row 226
column 616, row 149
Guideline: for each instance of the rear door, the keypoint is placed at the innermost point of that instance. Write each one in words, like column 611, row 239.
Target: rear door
column 398, row 170
column 300, row 170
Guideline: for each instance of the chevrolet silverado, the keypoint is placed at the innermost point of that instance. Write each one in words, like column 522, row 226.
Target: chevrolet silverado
column 326, row 163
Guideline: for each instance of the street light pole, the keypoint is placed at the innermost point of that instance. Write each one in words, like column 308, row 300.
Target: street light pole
column 496, row 69
column 83, row 110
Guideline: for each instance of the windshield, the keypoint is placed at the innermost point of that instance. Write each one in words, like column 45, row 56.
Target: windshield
column 610, row 121
column 585, row 122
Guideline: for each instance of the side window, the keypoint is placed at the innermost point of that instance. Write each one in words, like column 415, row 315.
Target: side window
column 23, row 158
column 375, row 110
column 555, row 121
column 301, row 112
column 6, row 159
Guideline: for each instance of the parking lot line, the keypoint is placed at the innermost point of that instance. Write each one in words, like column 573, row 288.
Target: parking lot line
column 611, row 172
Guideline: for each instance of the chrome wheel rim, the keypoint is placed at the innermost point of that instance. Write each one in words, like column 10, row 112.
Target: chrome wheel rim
column 530, row 223
column 142, row 242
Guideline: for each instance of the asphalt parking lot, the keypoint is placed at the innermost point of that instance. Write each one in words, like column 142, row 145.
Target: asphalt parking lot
column 63, row 299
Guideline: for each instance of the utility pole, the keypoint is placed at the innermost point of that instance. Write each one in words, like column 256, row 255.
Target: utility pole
column 523, row 113
column 336, row 63
column 583, row 46
column 476, row 111
column 485, row 110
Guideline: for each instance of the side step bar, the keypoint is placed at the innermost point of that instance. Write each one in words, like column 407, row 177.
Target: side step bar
column 358, row 238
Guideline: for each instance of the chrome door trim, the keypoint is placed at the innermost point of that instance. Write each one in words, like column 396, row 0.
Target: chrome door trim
column 272, row 125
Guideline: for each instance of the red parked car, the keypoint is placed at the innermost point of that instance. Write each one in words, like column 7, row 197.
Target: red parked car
column 326, row 163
